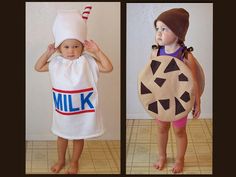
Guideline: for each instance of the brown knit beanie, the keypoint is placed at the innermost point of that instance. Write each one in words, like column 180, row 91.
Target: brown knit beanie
column 177, row 20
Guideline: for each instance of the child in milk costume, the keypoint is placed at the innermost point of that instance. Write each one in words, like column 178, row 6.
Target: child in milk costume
column 74, row 76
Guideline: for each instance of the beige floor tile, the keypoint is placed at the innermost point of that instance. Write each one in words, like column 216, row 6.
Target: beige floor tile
column 40, row 144
column 152, row 170
column 28, row 171
column 128, row 170
column 142, row 149
column 191, row 158
column 87, row 171
column 103, row 171
column 86, row 164
column 113, row 164
column 209, row 169
column 98, row 155
column 128, row 133
column 86, row 155
column 139, row 170
column 206, row 172
column 141, row 164
column 201, row 148
column 198, row 154
column 39, row 155
column 52, row 154
column 198, row 135
column 145, row 122
column 129, row 122
column 137, row 157
column 113, row 143
column 108, row 155
column 28, row 154
column 194, row 122
column 96, row 144
column 136, row 122
column 29, row 144
column 40, row 171
column 102, row 164
column 129, row 158
column 39, row 165
column 28, row 164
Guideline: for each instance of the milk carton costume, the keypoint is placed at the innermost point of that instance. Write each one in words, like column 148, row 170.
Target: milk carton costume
column 76, row 113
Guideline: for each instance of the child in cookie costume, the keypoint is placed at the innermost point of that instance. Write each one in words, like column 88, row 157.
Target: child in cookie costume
column 171, row 27
column 74, row 76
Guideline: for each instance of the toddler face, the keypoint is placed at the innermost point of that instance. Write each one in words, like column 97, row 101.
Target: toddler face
column 164, row 35
column 71, row 49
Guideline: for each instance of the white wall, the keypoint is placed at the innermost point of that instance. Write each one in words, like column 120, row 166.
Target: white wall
column 104, row 28
column 141, row 36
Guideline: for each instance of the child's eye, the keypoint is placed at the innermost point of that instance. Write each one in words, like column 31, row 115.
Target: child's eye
column 163, row 29
column 76, row 46
column 157, row 29
column 66, row 47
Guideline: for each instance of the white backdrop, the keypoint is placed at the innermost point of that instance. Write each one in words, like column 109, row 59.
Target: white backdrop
column 104, row 28
column 141, row 36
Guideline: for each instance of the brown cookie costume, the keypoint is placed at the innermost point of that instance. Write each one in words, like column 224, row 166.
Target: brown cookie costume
column 165, row 84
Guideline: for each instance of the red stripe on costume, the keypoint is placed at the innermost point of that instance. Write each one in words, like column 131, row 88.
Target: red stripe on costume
column 90, row 7
column 86, row 12
column 72, row 113
column 72, row 91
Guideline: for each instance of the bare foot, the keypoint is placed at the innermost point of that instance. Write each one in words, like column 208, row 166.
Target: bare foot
column 160, row 164
column 73, row 169
column 56, row 168
column 178, row 166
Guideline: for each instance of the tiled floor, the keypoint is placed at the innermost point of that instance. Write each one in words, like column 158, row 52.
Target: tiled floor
column 142, row 147
column 98, row 157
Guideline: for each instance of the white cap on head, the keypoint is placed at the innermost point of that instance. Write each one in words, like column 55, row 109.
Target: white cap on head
column 70, row 24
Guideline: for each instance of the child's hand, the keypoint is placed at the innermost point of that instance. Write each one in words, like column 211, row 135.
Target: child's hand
column 51, row 49
column 91, row 46
column 196, row 111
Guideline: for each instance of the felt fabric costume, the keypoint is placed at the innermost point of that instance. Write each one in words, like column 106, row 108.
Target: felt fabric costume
column 70, row 24
column 165, row 87
column 76, row 112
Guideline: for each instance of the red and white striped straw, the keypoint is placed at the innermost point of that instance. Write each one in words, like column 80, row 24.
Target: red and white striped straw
column 86, row 12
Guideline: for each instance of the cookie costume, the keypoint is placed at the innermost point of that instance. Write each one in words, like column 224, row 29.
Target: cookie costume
column 76, row 112
column 165, row 84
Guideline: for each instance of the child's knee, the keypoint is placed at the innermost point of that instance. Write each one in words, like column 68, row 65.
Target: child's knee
column 163, row 128
column 180, row 132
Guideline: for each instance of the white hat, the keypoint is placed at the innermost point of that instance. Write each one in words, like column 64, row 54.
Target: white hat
column 70, row 24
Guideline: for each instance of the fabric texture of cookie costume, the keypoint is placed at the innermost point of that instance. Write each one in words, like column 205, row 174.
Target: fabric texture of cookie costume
column 165, row 87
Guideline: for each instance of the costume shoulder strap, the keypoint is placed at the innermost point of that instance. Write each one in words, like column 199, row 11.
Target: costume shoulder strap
column 155, row 50
column 185, row 52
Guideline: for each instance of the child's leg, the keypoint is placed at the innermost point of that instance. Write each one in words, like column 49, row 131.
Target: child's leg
column 61, row 150
column 77, row 150
column 181, row 143
column 162, row 132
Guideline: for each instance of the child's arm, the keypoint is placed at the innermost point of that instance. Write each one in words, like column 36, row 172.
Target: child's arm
column 103, row 62
column 193, row 66
column 42, row 63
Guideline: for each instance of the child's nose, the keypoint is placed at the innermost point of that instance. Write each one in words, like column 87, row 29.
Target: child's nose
column 159, row 33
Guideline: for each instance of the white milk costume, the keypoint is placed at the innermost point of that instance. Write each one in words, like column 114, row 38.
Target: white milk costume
column 76, row 113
